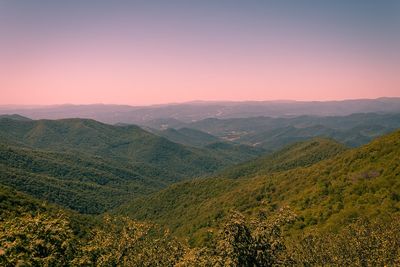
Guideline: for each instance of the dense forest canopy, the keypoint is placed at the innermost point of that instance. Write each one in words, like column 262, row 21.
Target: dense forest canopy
column 83, row 193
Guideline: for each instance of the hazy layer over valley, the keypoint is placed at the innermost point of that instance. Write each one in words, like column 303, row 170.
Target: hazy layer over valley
column 199, row 110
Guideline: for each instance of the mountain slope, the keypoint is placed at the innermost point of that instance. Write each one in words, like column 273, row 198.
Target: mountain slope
column 300, row 154
column 129, row 143
column 326, row 195
column 275, row 133
column 14, row 117
column 189, row 137
column 85, row 184
column 91, row 167
column 229, row 151
column 14, row 204
column 277, row 138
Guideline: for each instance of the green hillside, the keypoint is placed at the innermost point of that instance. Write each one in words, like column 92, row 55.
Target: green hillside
column 86, row 184
column 14, row 204
column 275, row 133
column 279, row 137
column 130, row 143
column 361, row 182
column 300, row 154
column 91, row 167
column 188, row 136
column 14, row 117
column 222, row 127
column 326, row 185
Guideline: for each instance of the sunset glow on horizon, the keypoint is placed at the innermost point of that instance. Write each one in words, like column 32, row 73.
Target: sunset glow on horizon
column 137, row 53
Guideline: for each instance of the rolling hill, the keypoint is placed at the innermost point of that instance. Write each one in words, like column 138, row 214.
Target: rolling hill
column 75, row 163
column 14, row 204
column 91, row 167
column 85, row 184
column 301, row 154
column 274, row 133
column 360, row 182
column 188, row 136
column 14, row 117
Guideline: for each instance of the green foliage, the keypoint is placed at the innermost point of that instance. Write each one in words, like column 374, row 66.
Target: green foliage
column 275, row 133
column 48, row 240
column 130, row 143
column 121, row 241
column 92, row 167
column 327, row 195
column 14, row 117
column 188, row 137
column 14, row 204
column 347, row 202
column 85, row 184
column 255, row 243
column 244, row 241
column 36, row 241
column 362, row 243
column 300, row 154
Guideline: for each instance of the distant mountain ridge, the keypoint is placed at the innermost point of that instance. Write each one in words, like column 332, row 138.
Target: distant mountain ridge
column 14, row 117
column 194, row 111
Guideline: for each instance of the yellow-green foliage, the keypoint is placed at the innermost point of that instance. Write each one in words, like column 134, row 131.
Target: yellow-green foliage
column 300, row 154
column 363, row 243
column 121, row 241
column 44, row 240
column 362, row 182
column 38, row 240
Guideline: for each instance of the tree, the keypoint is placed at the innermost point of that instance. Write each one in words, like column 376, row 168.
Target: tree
column 38, row 240
column 362, row 243
column 124, row 242
column 245, row 242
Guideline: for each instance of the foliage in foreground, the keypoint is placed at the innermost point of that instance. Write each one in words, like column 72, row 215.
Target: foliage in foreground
column 44, row 240
column 363, row 243
column 36, row 241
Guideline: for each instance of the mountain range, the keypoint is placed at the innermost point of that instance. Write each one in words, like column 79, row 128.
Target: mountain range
column 90, row 166
column 199, row 110
column 94, row 186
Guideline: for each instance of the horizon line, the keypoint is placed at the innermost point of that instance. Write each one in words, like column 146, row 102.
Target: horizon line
column 189, row 102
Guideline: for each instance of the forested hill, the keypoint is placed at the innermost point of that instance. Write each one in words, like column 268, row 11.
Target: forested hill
column 90, row 166
column 14, row 117
column 14, row 205
column 188, row 136
column 83, row 183
column 301, row 154
column 278, row 210
column 326, row 195
column 273, row 133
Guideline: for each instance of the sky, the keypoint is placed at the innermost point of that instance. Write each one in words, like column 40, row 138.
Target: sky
column 151, row 52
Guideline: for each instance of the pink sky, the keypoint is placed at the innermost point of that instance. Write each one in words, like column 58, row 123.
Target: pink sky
column 103, row 62
column 86, row 79
column 101, row 75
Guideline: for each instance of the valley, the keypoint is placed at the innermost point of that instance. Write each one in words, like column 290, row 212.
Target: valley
column 199, row 133
column 330, row 174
